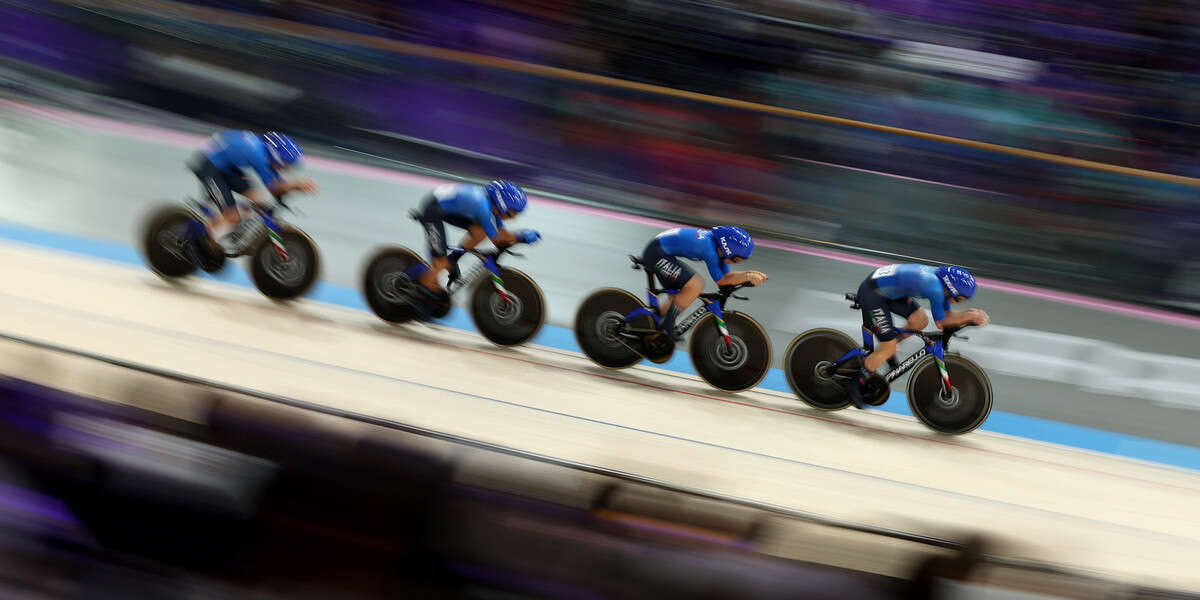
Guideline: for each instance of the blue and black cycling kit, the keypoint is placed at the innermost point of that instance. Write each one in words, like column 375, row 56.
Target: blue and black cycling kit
column 892, row 289
column 460, row 205
column 662, row 256
column 220, row 165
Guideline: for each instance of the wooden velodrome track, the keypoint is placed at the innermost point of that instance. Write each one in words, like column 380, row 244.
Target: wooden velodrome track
column 1125, row 518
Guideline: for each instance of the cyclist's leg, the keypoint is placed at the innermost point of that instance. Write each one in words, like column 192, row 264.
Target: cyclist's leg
column 474, row 237
column 218, row 191
column 231, row 213
column 884, row 349
column 672, row 274
column 433, row 220
column 877, row 316
column 679, row 302
column 255, row 195
column 238, row 184
column 688, row 293
column 917, row 320
column 213, row 185
column 889, row 342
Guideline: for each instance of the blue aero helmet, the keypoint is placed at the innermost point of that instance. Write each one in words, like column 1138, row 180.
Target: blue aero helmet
column 282, row 149
column 957, row 280
column 506, row 196
column 733, row 241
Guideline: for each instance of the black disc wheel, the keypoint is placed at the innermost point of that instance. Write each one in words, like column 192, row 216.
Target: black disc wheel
column 512, row 317
column 163, row 242
column 286, row 267
column 385, row 285
column 733, row 364
column 808, row 366
column 963, row 409
column 600, row 333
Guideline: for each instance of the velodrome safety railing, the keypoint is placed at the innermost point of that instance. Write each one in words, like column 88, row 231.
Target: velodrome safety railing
column 260, row 24
column 316, row 33
column 1049, row 219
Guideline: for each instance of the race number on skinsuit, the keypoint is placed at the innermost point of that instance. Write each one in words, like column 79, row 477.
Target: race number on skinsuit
column 884, row 271
column 443, row 192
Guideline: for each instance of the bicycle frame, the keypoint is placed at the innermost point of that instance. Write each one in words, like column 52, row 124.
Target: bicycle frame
column 266, row 215
column 713, row 303
column 489, row 265
column 710, row 306
column 933, row 345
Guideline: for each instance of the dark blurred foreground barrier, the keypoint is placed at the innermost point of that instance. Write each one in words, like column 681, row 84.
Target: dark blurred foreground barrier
column 177, row 487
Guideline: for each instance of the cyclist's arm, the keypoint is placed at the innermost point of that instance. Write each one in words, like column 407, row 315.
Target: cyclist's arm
column 953, row 318
column 734, row 278
column 492, row 229
column 282, row 186
column 273, row 181
column 256, row 196
column 931, row 290
column 949, row 318
column 504, row 237
column 719, row 271
column 269, row 176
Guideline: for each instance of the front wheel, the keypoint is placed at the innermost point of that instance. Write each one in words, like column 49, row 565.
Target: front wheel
column 163, row 241
column 734, row 364
column 967, row 405
column 285, row 267
column 808, row 366
column 513, row 320
column 599, row 331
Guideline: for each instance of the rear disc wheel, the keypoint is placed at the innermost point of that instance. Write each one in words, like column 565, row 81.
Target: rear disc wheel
column 808, row 366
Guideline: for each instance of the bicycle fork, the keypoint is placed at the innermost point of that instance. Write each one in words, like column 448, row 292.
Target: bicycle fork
column 715, row 309
column 939, row 355
column 273, row 233
column 497, row 282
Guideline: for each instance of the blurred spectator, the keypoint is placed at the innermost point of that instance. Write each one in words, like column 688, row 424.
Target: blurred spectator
column 1108, row 81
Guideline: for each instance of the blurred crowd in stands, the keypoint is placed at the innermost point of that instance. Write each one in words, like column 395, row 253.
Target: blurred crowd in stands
column 1107, row 81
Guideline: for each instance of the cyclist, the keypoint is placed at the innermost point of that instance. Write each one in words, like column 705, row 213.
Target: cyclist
column 479, row 209
column 894, row 289
column 221, row 168
column 718, row 248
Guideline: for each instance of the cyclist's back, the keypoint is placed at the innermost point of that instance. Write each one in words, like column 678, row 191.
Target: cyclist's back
column 466, row 204
column 908, row 280
column 694, row 244
column 232, row 151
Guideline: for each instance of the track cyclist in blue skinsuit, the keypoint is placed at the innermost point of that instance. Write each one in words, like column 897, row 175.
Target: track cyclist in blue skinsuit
column 894, row 289
column 481, row 210
column 718, row 248
column 221, row 165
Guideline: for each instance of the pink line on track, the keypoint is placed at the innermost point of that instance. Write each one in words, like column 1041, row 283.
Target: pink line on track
column 162, row 135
